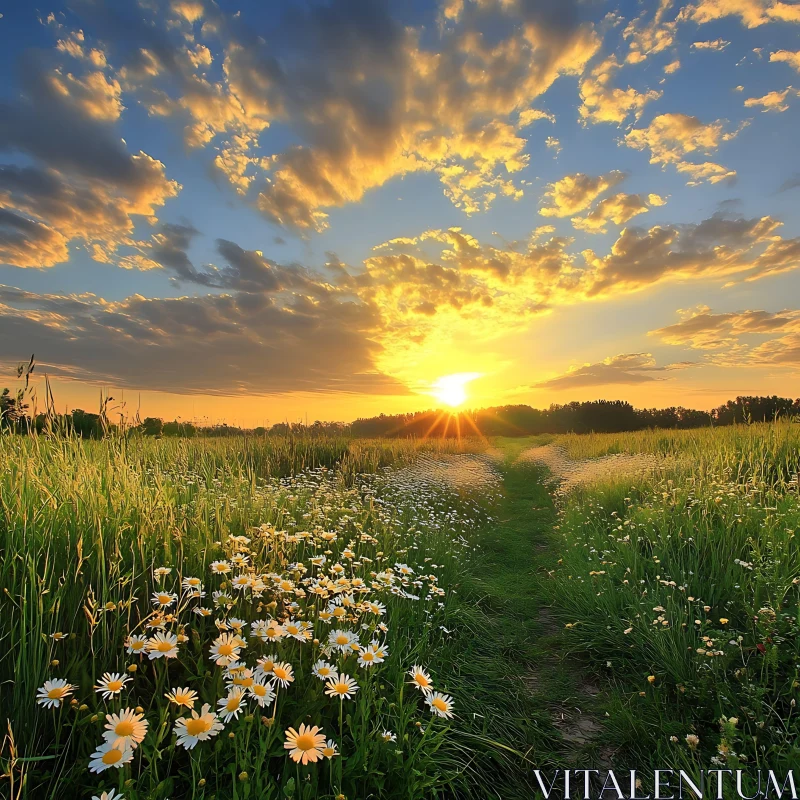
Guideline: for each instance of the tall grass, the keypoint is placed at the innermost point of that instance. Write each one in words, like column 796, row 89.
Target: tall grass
column 682, row 587
column 84, row 524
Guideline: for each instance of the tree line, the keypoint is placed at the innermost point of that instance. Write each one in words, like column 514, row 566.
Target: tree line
column 599, row 416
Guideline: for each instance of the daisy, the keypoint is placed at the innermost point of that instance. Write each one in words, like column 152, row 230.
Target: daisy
column 341, row 686
column 305, row 745
column 230, row 706
column 329, row 751
column 283, row 673
column 441, row 704
column 241, row 581
column 236, row 625
column 421, row 679
column 197, row 728
column 126, row 729
column 162, row 645
column 341, row 639
column 323, row 670
column 379, row 609
column 225, row 649
column 164, row 599
column 388, row 736
column 202, row 612
column 192, row 584
column 297, row 630
column 380, row 650
column 265, row 665
column 112, row 795
column 263, row 693
column 54, row 692
column 107, row 756
column 220, row 567
column 136, row 644
column 366, row 657
column 111, row 684
column 58, row 636
column 182, row 697
column 162, row 572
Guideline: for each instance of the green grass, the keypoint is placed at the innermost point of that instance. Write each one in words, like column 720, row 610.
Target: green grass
column 83, row 526
column 681, row 588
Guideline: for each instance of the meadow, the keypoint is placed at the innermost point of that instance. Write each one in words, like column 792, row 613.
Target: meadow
column 329, row 617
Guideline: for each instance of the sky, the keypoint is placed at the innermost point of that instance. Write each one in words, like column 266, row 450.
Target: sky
column 257, row 212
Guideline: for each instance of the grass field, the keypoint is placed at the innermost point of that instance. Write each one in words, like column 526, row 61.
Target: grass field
column 264, row 618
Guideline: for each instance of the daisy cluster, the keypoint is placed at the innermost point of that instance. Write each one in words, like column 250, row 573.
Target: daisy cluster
column 281, row 615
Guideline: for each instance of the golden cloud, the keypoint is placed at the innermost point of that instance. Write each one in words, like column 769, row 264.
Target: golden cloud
column 574, row 193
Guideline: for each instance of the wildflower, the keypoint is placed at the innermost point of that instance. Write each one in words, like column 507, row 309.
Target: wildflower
column 265, row 665
column 182, row 697
column 197, row 728
column 136, row 644
column 54, row 692
column 111, row 684
column 126, row 729
column 651, row 678
column 263, row 693
column 230, row 706
column 164, row 599
column 341, row 686
column 283, row 673
column 202, row 612
column 341, row 639
column 723, row 621
column 225, row 649
column 162, row 645
column 112, row 795
column 329, row 751
column 220, row 567
column 297, row 630
column 366, row 657
column 323, row 670
column 305, row 745
column 107, row 756
column 162, row 572
column 192, row 584
column 692, row 740
column 421, row 679
column 440, row 704
column 388, row 736
column 58, row 636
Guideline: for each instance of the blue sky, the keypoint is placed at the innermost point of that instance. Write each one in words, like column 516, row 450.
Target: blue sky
column 664, row 201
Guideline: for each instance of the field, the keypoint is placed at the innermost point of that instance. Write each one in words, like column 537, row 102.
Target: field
column 302, row 618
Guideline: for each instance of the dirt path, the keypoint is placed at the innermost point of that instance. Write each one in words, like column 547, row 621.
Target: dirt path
column 565, row 706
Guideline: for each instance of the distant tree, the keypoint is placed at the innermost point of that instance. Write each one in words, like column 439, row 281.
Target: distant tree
column 152, row 426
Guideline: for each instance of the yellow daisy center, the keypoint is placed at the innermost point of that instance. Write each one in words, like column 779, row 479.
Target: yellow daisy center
column 124, row 728
column 341, row 639
column 341, row 688
column 421, row 680
column 197, row 726
column 114, row 686
column 57, row 693
column 112, row 756
column 439, row 704
column 233, row 703
column 164, row 646
column 259, row 690
column 367, row 656
column 226, row 649
column 281, row 673
column 304, row 742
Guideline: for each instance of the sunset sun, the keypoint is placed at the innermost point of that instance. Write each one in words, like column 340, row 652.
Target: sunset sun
column 452, row 389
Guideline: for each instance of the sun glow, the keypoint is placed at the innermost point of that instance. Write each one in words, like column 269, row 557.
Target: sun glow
column 452, row 389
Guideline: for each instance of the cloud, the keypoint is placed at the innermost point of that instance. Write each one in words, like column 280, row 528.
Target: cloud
column 628, row 368
column 673, row 66
column 791, row 182
column 83, row 184
column 377, row 104
column 650, row 38
column 619, row 209
column 752, row 13
column 218, row 344
column 670, row 137
column 772, row 101
column 574, row 193
column 788, row 57
column 602, row 102
column 713, row 44
column 728, row 336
